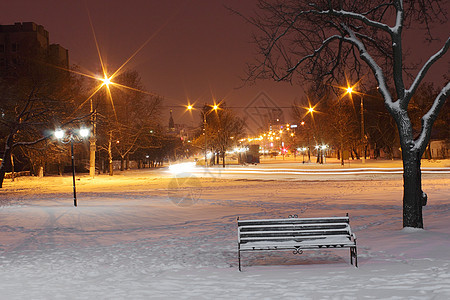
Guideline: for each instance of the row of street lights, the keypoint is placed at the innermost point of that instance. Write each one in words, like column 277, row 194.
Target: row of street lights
column 349, row 90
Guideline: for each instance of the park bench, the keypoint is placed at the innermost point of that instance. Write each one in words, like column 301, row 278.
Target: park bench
column 296, row 234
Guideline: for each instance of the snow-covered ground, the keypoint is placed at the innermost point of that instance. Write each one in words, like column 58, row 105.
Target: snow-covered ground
column 147, row 234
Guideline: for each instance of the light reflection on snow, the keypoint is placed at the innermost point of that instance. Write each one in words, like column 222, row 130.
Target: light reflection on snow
column 186, row 167
column 354, row 171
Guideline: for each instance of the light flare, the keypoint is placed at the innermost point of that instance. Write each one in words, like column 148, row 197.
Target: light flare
column 107, row 80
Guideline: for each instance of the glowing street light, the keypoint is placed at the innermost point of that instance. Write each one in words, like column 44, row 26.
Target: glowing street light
column 310, row 110
column 106, row 80
column 72, row 136
column 350, row 91
column 214, row 107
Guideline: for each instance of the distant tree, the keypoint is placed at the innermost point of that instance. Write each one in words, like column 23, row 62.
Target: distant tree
column 223, row 128
column 380, row 125
column 34, row 99
column 124, row 122
column 314, row 38
column 333, row 121
column 345, row 129
column 229, row 128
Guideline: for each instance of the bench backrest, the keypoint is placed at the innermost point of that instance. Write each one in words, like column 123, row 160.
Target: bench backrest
column 292, row 229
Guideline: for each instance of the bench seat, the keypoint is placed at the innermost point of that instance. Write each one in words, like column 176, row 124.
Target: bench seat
column 296, row 234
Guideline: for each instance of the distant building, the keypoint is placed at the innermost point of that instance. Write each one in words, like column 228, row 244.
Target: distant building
column 28, row 41
column 171, row 123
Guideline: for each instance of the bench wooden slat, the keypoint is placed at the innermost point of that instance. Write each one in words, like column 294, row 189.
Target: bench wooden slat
column 291, row 235
column 294, row 221
column 296, row 226
column 277, row 245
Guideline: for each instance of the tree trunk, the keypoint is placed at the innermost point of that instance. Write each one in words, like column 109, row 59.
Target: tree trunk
column 12, row 167
column 110, row 164
column 6, row 161
column 110, row 157
column 122, row 163
column 223, row 158
column 413, row 196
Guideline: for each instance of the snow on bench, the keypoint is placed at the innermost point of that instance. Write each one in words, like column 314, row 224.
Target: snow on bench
column 296, row 234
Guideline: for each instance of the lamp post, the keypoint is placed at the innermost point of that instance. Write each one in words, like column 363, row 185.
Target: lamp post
column 215, row 107
column 72, row 136
column 363, row 152
column 310, row 110
column 92, row 142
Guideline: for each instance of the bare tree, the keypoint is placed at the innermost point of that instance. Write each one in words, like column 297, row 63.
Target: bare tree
column 223, row 128
column 124, row 121
column 34, row 99
column 314, row 38
column 229, row 127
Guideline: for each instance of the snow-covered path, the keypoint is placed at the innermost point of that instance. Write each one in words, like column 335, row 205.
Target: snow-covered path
column 130, row 238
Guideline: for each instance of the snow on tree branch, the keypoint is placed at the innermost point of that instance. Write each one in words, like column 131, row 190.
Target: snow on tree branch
column 377, row 71
column 429, row 118
column 355, row 16
column 425, row 69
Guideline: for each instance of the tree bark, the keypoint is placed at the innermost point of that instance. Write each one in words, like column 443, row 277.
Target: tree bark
column 110, row 157
column 6, row 161
column 12, row 167
column 413, row 196
column 122, row 163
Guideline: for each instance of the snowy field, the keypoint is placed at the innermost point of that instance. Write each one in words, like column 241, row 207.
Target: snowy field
column 152, row 235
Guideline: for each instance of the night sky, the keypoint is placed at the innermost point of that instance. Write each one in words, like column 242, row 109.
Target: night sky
column 198, row 51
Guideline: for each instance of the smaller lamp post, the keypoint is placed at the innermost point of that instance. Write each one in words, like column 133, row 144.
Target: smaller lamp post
column 323, row 158
column 363, row 152
column 72, row 136
column 214, row 107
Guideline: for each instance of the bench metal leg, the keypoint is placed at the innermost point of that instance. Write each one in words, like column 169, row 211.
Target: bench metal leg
column 239, row 257
column 353, row 254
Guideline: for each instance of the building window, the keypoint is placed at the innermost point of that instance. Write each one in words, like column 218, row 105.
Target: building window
column 14, row 47
column 2, row 48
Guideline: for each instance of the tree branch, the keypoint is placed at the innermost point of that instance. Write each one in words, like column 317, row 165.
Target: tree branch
column 316, row 51
column 355, row 16
column 425, row 69
column 429, row 118
column 376, row 69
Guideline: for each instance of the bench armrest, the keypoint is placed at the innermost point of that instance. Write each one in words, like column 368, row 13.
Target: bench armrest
column 354, row 237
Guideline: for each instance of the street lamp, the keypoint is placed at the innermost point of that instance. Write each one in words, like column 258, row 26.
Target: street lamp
column 72, row 136
column 310, row 110
column 215, row 107
column 363, row 152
